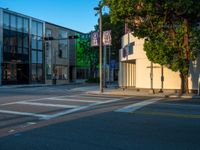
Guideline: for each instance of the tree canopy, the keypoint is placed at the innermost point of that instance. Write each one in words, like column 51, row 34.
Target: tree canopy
column 170, row 29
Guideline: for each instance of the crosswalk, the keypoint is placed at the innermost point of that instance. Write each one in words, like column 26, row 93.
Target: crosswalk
column 52, row 107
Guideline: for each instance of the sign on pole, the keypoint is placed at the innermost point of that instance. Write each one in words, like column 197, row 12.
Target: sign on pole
column 107, row 40
column 95, row 38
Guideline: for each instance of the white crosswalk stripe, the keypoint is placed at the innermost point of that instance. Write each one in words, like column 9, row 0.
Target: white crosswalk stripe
column 72, row 103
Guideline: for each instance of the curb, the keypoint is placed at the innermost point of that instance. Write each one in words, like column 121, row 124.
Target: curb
column 150, row 95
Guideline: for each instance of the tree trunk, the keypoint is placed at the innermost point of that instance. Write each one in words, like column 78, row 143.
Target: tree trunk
column 184, row 84
column 187, row 56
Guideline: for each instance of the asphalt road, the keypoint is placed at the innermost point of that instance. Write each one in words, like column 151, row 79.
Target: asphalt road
column 96, row 122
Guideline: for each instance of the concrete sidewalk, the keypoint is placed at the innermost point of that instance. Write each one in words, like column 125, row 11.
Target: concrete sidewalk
column 114, row 90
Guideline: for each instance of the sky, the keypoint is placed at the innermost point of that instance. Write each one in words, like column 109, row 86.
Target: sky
column 74, row 14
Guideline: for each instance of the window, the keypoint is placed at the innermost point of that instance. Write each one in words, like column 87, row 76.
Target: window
column 37, row 53
column 13, row 22
column 39, row 61
column 131, row 48
column 34, row 59
column 39, row 41
column 26, row 24
column 34, row 42
column 19, row 24
column 34, row 28
column 63, row 45
column 62, row 72
column 34, row 73
column 25, row 40
column 40, row 29
column 6, row 21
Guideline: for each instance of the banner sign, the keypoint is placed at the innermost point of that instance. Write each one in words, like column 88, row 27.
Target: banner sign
column 107, row 40
column 95, row 38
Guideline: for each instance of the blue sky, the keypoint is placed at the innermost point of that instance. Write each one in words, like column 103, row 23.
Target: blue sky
column 75, row 14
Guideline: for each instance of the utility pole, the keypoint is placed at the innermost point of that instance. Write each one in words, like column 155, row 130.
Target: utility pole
column 99, row 9
column 100, row 48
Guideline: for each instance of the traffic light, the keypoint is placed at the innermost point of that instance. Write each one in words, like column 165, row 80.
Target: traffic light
column 73, row 37
column 48, row 38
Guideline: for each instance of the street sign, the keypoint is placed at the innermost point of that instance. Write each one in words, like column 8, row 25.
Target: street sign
column 107, row 40
column 95, row 38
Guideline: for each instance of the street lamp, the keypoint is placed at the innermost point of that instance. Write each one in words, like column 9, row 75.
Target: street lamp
column 99, row 9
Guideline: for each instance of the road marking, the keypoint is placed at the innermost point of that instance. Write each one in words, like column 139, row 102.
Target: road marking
column 103, row 96
column 47, row 105
column 190, row 116
column 24, row 113
column 136, row 106
column 46, row 117
column 85, row 96
column 29, row 100
column 73, row 100
column 79, row 109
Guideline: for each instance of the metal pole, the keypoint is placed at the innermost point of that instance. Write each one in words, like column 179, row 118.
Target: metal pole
column 100, row 50
column 162, row 79
column 151, row 76
column 104, row 66
column 109, row 66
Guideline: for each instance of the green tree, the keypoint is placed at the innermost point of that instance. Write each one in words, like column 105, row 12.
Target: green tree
column 169, row 27
column 87, row 56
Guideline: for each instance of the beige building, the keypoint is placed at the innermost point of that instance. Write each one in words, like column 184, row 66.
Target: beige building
column 136, row 71
column 60, row 55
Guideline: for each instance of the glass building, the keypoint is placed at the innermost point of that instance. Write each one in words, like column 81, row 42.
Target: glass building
column 27, row 59
column 21, row 49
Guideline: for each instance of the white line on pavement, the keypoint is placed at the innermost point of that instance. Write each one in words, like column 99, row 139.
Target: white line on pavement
column 73, row 100
column 24, row 113
column 47, row 105
column 136, row 106
column 79, row 108
column 86, row 96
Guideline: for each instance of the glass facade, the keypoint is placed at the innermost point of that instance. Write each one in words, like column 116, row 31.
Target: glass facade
column 25, row 58
column 37, row 52
column 15, row 65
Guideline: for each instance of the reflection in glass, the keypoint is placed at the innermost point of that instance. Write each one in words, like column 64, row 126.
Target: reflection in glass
column 34, row 59
column 39, row 72
column 40, row 29
column 19, row 24
column 26, row 25
column 34, row 77
column 13, row 22
column 39, row 43
column 34, row 42
column 6, row 22
column 34, row 28
column 25, row 41
column 39, row 57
